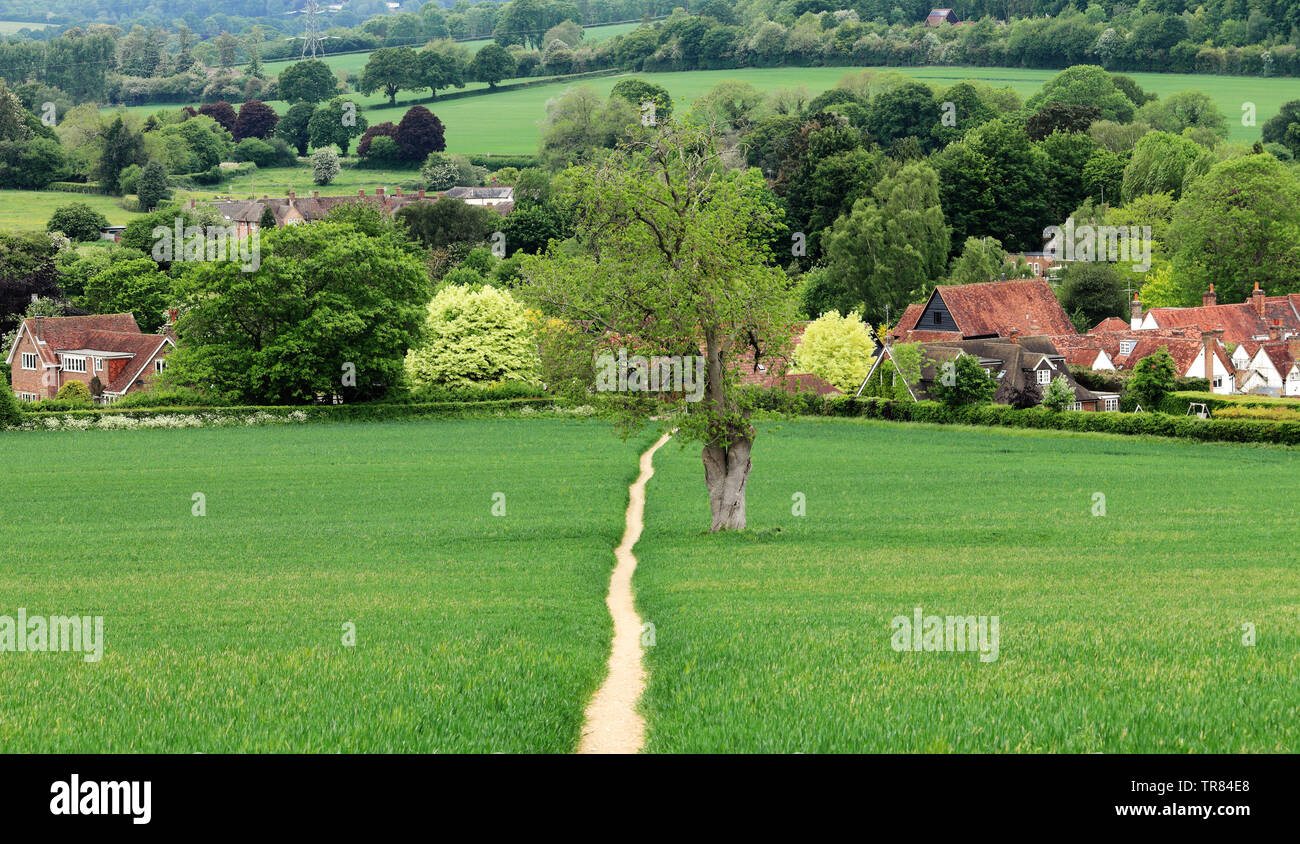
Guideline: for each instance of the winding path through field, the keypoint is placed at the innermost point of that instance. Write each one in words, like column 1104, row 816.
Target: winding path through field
column 612, row 723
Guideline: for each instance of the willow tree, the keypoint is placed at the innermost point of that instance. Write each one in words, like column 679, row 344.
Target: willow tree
column 672, row 259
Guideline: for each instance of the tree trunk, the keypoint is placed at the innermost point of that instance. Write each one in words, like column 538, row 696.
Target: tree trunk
column 726, row 471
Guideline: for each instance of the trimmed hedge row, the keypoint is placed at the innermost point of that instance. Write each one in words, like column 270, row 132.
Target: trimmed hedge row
column 1154, row 424
column 1177, row 403
column 79, row 187
column 313, row 413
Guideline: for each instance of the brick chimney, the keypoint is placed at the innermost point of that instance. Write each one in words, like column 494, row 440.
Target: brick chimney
column 399, row 190
column 1209, row 297
column 191, row 203
column 315, row 194
column 1257, row 298
column 421, row 193
column 361, row 192
column 292, row 195
column 1135, row 314
column 38, row 326
column 1275, row 330
column 379, row 191
column 1207, row 348
column 1014, row 335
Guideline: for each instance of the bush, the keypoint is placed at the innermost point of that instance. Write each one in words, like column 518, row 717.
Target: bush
column 324, row 165
column 10, row 413
column 77, row 220
column 75, row 391
column 180, row 397
column 473, row 337
column 257, row 151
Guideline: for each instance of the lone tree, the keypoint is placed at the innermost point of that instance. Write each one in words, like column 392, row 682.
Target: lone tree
column 491, row 64
column 1153, row 379
column 675, row 262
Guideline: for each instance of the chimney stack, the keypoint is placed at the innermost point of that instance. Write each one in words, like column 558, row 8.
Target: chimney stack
column 315, row 194
column 421, row 194
column 1014, row 335
column 1135, row 314
column 292, row 196
column 399, row 190
column 379, row 191
column 1275, row 330
column 361, row 192
column 1257, row 297
column 1209, row 297
column 1207, row 352
column 39, row 326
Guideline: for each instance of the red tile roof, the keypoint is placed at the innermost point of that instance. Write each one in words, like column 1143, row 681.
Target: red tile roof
column 1240, row 322
column 993, row 308
column 1111, row 323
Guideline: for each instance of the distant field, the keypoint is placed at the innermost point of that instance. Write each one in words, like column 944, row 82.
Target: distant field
column 31, row 209
column 12, row 27
column 224, row 633
column 1119, row 633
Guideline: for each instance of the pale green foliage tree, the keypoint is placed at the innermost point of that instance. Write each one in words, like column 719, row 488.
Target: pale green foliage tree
column 1159, row 164
column 674, row 256
column 1059, row 395
column 837, row 348
column 473, row 337
column 324, row 165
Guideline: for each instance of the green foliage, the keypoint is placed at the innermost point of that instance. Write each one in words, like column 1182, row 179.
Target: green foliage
column 152, row 188
column 962, row 381
column 135, row 286
column 473, row 337
column 638, row 91
column 1236, row 226
column 1159, row 164
column 286, row 332
column 892, row 247
column 579, row 125
column 491, row 64
column 1153, row 379
column 78, row 221
column 75, row 392
column 337, row 122
column 983, row 259
column 1094, row 288
column 836, row 348
column 295, row 126
column 308, row 81
column 1087, row 85
column 1059, row 395
column 447, row 222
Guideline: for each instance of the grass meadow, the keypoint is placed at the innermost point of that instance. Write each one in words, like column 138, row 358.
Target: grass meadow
column 1119, row 633
column 223, row 633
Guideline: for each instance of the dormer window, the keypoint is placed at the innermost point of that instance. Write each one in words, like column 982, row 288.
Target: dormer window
column 74, row 363
column 1127, row 346
column 1044, row 376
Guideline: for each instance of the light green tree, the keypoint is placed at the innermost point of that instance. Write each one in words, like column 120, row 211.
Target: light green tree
column 1059, row 395
column 837, row 348
column 473, row 337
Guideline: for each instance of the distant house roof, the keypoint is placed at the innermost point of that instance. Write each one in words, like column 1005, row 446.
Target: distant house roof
column 1241, row 322
column 1111, row 324
column 989, row 309
column 773, row 369
column 938, row 16
column 110, row 335
column 309, row 209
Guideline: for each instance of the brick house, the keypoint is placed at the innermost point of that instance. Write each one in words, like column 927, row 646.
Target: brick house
column 48, row 352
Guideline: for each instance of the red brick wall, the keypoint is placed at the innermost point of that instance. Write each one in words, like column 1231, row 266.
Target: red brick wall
column 28, row 380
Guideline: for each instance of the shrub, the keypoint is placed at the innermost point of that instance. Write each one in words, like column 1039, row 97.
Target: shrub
column 837, row 349
column 966, row 382
column 324, row 165
column 257, row 151
column 1153, row 379
column 473, row 337
column 1059, row 395
column 75, row 391
column 10, row 414
column 77, row 220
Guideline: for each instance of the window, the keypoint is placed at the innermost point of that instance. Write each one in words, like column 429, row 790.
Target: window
column 1044, row 376
column 160, row 365
column 1077, row 406
column 99, row 364
column 1126, row 346
column 1218, row 382
column 938, row 318
column 74, row 363
column 29, row 360
column 1112, row 404
column 28, row 396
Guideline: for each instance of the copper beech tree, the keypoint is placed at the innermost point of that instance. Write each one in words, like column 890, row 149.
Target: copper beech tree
column 672, row 259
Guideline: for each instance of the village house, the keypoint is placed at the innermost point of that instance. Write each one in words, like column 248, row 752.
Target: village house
column 246, row 214
column 941, row 16
column 107, row 352
column 1016, row 364
column 982, row 311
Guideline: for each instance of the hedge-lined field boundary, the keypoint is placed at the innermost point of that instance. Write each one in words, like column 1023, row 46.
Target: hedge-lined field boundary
column 1000, row 415
column 1177, row 403
column 199, row 417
